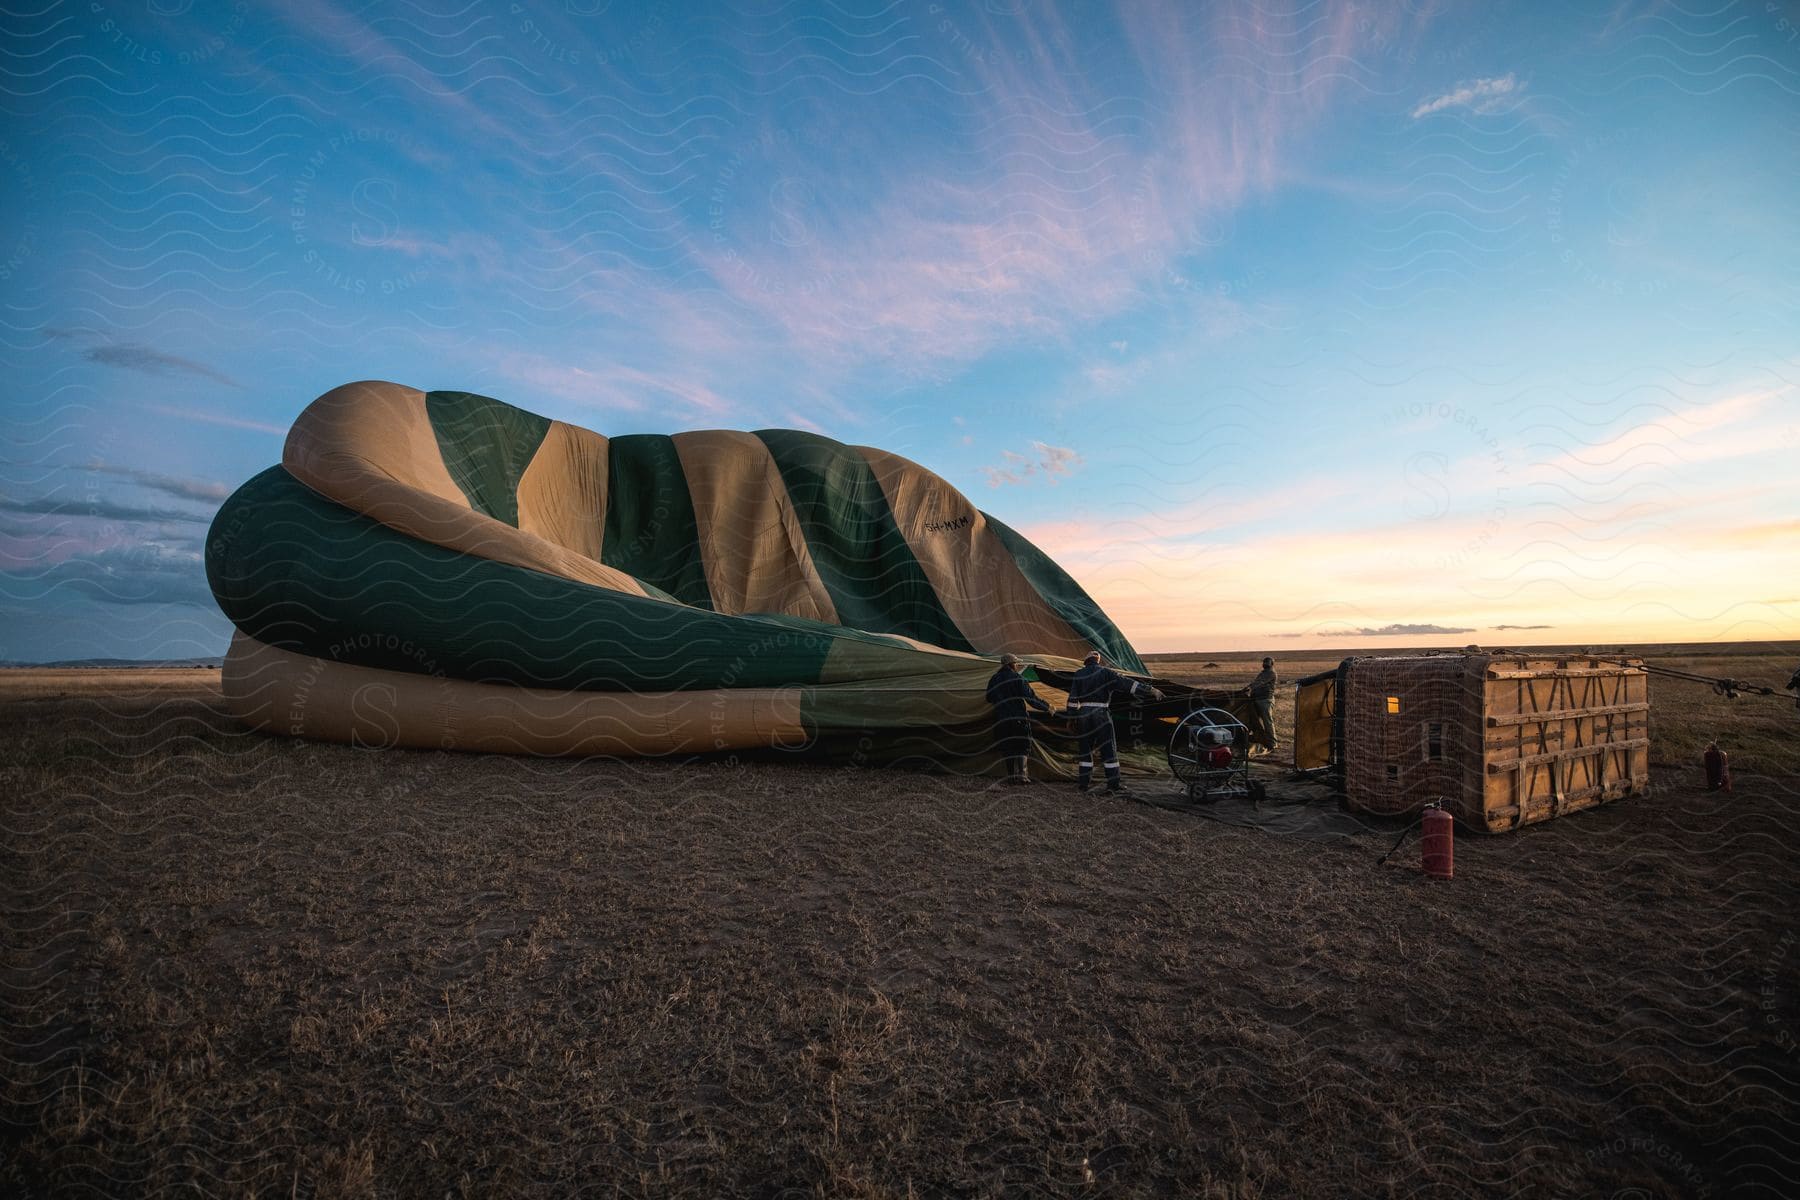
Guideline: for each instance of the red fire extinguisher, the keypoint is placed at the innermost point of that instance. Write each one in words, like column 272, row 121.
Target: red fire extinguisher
column 1718, row 768
column 1437, row 844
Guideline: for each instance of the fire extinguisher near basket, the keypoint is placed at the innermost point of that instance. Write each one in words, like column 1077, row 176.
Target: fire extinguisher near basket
column 1437, row 842
column 1718, row 768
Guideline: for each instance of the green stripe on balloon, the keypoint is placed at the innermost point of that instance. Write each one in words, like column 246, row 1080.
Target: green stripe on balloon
column 486, row 444
column 651, row 531
column 874, row 580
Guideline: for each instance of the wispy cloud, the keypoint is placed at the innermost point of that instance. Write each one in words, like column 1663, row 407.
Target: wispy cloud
column 615, row 386
column 1476, row 95
column 99, row 510
column 1045, row 461
column 134, row 356
column 1498, row 628
column 1768, row 533
column 149, row 573
column 172, row 485
column 1112, row 376
column 1692, row 433
column 1674, row 559
column 1072, row 204
column 799, row 420
column 212, row 418
column 1056, row 460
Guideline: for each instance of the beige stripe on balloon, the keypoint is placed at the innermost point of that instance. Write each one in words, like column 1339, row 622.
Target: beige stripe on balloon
column 294, row 694
column 976, row 579
column 562, row 494
column 370, row 447
column 751, row 543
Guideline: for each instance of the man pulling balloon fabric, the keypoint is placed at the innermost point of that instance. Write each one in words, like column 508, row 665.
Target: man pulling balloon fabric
column 1090, row 702
column 1009, row 693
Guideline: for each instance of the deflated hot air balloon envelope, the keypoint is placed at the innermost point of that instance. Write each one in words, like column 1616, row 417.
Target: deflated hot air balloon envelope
column 444, row 570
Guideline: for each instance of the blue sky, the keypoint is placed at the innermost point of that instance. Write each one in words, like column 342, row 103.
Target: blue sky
column 1280, row 325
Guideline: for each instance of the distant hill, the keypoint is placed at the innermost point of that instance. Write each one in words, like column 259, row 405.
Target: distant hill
column 1639, row 649
column 118, row 664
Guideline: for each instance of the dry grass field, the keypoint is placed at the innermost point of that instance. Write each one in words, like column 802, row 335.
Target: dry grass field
column 236, row 965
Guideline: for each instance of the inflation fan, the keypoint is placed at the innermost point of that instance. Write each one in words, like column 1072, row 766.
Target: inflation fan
column 1209, row 753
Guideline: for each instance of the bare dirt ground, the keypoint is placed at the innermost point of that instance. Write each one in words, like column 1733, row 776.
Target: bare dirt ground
column 243, row 965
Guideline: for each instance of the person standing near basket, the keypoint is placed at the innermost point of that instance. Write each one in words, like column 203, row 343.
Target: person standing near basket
column 1262, row 695
column 1009, row 693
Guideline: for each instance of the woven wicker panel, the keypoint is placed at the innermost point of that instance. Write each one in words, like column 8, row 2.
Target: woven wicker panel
column 1388, row 760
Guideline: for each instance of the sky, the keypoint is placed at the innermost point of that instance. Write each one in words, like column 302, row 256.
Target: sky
column 1280, row 325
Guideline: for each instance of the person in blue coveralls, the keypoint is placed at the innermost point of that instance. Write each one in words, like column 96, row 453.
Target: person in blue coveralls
column 1090, row 702
column 1009, row 692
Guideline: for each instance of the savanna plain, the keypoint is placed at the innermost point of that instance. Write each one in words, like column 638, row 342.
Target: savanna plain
column 238, row 964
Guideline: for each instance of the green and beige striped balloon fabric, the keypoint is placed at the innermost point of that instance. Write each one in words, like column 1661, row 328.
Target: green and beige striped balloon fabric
column 460, row 571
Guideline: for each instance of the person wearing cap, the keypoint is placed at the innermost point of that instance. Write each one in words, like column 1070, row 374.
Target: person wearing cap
column 1009, row 693
column 1262, row 695
column 1090, row 701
